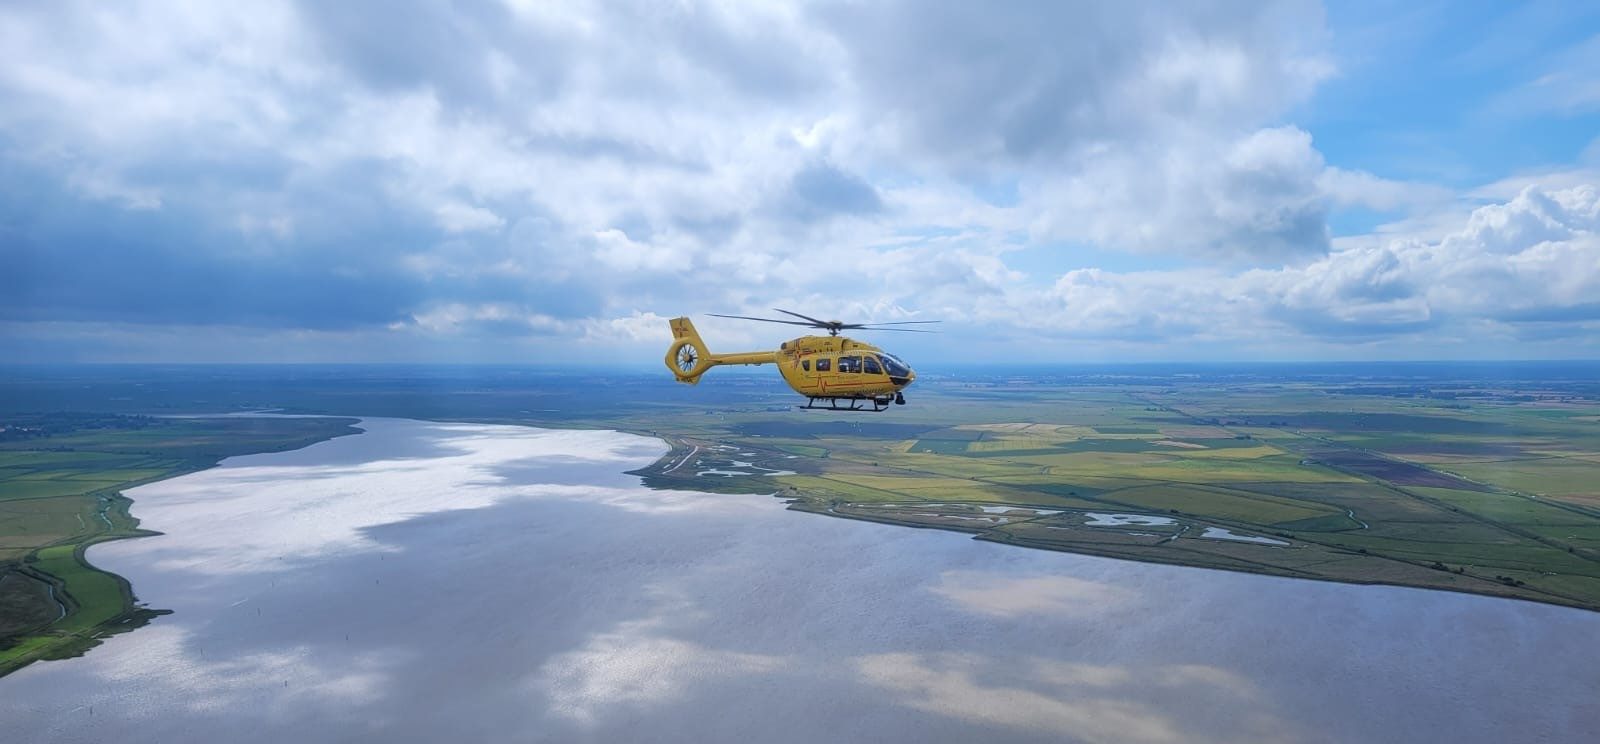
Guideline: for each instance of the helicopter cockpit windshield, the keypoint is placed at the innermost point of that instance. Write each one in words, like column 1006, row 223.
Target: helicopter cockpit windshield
column 895, row 367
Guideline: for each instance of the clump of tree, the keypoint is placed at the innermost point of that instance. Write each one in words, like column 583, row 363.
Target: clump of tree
column 26, row 426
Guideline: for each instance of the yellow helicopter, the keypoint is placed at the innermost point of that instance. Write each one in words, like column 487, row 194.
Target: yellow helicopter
column 822, row 368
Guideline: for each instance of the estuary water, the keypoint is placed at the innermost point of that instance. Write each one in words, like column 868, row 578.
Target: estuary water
column 450, row 582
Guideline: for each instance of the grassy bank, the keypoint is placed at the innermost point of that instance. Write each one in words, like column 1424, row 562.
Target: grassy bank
column 1498, row 496
column 61, row 478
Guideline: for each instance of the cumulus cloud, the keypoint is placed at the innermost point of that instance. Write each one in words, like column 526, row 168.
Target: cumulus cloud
column 986, row 85
column 1534, row 259
column 519, row 169
column 1254, row 198
column 823, row 189
column 1359, row 188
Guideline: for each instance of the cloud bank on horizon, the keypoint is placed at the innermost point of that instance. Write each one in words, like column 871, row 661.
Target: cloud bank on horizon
column 528, row 181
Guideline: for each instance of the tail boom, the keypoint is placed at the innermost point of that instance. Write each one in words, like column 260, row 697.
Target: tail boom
column 688, row 357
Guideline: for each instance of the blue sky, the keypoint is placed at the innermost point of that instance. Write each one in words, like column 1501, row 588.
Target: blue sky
column 548, row 182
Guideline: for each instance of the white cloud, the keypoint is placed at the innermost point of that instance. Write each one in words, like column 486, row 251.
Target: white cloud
column 1532, row 260
column 633, row 328
column 1002, row 86
column 457, row 217
column 528, row 170
column 1360, row 188
column 451, row 318
column 101, row 186
column 1569, row 84
column 1255, row 198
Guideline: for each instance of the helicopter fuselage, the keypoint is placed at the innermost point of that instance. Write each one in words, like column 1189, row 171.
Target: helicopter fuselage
column 839, row 367
column 824, row 368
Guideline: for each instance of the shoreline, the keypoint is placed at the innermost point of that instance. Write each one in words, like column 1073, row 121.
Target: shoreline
column 657, row 475
column 85, row 621
column 55, row 640
column 323, row 591
column 800, row 505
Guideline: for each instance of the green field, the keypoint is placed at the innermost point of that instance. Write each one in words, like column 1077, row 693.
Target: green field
column 1499, row 497
column 1489, row 488
column 60, row 491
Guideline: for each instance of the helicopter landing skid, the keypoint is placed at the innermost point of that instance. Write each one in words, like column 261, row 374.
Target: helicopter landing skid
column 855, row 404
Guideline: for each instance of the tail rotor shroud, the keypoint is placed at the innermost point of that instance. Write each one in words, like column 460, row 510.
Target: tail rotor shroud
column 687, row 358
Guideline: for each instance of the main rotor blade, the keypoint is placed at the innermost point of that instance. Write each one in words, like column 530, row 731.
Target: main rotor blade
column 764, row 320
column 834, row 326
column 820, row 323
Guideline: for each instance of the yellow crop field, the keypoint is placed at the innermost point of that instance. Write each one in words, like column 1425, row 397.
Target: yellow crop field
column 1221, row 503
column 1232, row 453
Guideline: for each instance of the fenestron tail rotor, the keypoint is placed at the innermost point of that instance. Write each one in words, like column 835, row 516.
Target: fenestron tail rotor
column 834, row 326
column 687, row 358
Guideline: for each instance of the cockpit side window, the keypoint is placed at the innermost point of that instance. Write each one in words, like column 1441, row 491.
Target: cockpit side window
column 869, row 365
column 805, row 364
column 824, row 364
column 850, row 364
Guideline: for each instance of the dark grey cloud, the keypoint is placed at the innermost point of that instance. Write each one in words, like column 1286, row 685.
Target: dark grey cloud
column 1374, row 276
column 710, row 230
column 1583, row 311
column 440, row 45
column 1020, row 80
column 759, row 61
column 1329, row 323
column 1571, row 337
column 609, row 147
column 486, row 57
column 822, row 190
column 966, row 78
column 74, row 260
column 1273, row 211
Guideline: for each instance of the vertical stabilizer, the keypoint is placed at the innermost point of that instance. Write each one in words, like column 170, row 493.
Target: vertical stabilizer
column 688, row 357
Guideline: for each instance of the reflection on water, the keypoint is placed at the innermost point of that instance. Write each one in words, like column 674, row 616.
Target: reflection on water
column 1097, row 519
column 432, row 582
column 1219, row 533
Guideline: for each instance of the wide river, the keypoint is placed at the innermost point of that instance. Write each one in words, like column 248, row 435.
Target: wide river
column 447, row 582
